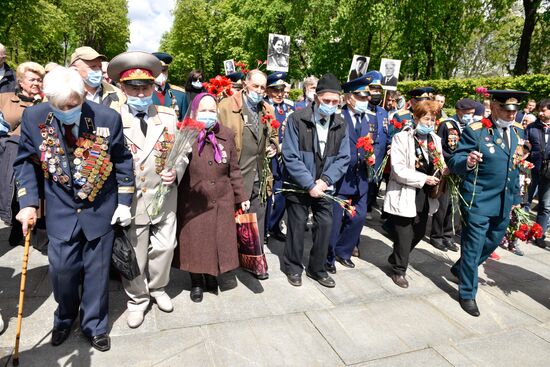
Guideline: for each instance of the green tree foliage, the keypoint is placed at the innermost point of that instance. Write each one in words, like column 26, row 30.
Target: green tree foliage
column 434, row 38
column 50, row 30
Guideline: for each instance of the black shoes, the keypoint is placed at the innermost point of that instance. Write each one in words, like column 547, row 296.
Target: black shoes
column 438, row 245
column 331, row 268
column 278, row 235
column 196, row 294
column 262, row 276
column 101, row 342
column 400, row 280
column 211, row 284
column 540, row 243
column 346, row 263
column 59, row 336
column 470, row 306
column 451, row 246
column 294, row 279
column 324, row 280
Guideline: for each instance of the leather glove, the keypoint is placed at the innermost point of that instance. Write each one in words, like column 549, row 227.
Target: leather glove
column 122, row 215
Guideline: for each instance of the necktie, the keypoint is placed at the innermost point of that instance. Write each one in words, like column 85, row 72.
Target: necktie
column 358, row 124
column 142, row 122
column 323, row 121
column 69, row 136
column 506, row 139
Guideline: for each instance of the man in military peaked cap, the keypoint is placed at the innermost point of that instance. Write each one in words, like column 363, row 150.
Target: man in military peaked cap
column 149, row 132
column 487, row 161
column 166, row 94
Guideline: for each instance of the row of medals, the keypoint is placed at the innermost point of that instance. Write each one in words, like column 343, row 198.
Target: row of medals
column 163, row 148
column 91, row 161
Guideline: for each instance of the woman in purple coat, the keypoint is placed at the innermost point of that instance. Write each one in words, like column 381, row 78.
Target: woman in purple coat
column 209, row 193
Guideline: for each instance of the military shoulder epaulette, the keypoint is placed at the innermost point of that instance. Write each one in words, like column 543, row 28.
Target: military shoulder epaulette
column 176, row 87
column 371, row 112
column 449, row 124
column 518, row 125
column 475, row 126
column 167, row 110
column 403, row 112
column 289, row 102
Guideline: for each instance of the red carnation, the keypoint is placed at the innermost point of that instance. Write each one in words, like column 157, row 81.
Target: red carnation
column 486, row 123
column 275, row 124
column 431, row 146
column 535, row 231
column 524, row 227
column 520, row 235
column 371, row 160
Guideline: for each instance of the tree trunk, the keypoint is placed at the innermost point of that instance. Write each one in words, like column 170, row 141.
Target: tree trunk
column 522, row 60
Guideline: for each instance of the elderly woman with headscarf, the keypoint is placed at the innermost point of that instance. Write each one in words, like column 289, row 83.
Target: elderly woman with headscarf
column 209, row 192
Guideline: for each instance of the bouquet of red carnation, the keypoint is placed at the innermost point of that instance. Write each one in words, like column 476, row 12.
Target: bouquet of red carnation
column 268, row 120
column 220, row 86
column 482, row 91
column 241, row 65
column 521, row 228
column 366, row 143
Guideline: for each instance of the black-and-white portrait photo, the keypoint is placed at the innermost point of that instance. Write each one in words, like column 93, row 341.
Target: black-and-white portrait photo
column 229, row 66
column 390, row 73
column 278, row 52
column 359, row 66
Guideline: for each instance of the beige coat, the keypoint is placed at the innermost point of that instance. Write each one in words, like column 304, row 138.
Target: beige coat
column 144, row 154
column 404, row 178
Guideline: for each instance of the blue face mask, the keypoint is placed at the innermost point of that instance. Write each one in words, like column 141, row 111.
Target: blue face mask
column 467, row 119
column 254, row 97
column 140, row 104
column 327, row 110
column 209, row 119
column 94, row 78
column 361, row 107
column 68, row 117
column 424, row 129
column 478, row 118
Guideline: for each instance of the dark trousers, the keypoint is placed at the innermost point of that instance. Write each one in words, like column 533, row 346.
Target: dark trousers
column 81, row 262
column 275, row 212
column 442, row 221
column 480, row 237
column 372, row 194
column 259, row 209
column 408, row 233
column 297, row 208
column 346, row 230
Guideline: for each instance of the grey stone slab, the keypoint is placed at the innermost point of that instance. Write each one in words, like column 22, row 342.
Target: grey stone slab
column 288, row 340
column 532, row 297
column 356, row 334
column 425, row 358
column 518, row 269
column 418, row 285
column 453, row 356
column 512, row 348
column 277, row 297
column 353, row 286
column 496, row 315
column 541, row 330
column 165, row 348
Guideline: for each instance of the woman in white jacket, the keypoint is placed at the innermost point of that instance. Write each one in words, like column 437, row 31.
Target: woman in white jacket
column 415, row 157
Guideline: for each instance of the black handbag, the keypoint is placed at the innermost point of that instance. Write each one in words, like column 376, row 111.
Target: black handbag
column 124, row 257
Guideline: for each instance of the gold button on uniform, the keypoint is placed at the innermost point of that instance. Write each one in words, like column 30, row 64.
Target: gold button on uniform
column 78, row 210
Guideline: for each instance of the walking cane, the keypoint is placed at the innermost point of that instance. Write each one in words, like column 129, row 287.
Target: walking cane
column 15, row 360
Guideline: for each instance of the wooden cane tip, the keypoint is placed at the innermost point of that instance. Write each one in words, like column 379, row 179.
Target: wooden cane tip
column 15, row 361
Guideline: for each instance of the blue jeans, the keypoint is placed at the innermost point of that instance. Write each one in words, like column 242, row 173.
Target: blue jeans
column 543, row 213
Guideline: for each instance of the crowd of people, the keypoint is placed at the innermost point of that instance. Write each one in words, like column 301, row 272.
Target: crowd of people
column 87, row 147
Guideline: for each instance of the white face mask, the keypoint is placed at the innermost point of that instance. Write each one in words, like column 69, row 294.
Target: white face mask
column 161, row 80
column 504, row 123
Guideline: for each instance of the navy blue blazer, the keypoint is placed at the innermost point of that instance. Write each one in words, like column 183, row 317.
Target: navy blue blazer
column 63, row 207
column 539, row 150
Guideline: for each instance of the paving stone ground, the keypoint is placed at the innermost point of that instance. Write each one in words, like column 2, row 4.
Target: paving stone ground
column 365, row 321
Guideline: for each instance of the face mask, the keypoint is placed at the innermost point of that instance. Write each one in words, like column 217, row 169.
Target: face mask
column 160, row 80
column 477, row 118
column 209, row 119
column 327, row 110
column 197, row 84
column 375, row 99
column 140, row 104
column 361, row 107
column 504, row 123
column 94, row 78
column 424, row 129
column 310, row 95
column 68, row 117
column 467, row 119
column 254, row 97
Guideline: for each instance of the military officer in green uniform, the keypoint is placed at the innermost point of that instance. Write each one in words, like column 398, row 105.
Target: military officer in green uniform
column 169, row 95
column 487, row 160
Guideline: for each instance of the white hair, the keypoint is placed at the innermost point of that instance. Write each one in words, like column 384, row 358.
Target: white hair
column 61, row 84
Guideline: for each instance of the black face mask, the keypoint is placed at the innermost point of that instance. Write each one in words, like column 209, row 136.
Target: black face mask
column 375, row 99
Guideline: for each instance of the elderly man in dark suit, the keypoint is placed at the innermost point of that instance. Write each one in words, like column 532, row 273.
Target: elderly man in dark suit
column 88, row 185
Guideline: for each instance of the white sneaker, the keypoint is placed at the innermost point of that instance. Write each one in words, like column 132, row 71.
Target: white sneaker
column 164, row 303
column 134, row 318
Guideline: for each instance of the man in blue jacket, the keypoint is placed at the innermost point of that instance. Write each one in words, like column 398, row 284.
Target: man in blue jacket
column 361, row 121
column 487, row 161
column 88, row 185
column 316, row 156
